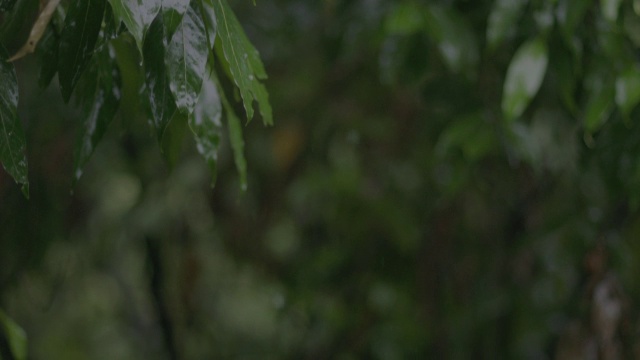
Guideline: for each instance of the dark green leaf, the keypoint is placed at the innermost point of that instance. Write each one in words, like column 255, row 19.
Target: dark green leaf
column 48, row 56
column 99, row 103
column 7, row 5
column 628, row 90
column 235, row 136
column 137, row 16
column 77, row 41
column 12, row 139
column 600, row 87
column 241, row 59
column 524, row 77
column 179, row 5
column 503, row 20
column 186, row 60
column 173, row 136
column 15, row 28
column 172, row 20
column 569, row 15
column 206, row 125
column 162, row 104
column 15, row 336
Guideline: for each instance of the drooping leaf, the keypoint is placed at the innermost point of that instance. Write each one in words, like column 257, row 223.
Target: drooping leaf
column 162, row 104
column 16, row 337
column 172, row 19
column 77, row 41
column 101, row 87
column 12, row 139
column 628, row 90
column 37, row 30
column 600, row 88
column 14, row 30
column 173, row 136
column 48, row 57
column 137, row 16
column 503, row 20
column 455, row 39
column 186, row 60
column 235, row 135
column 241, row 59
column 524, row 77
column 206, row 125
column 405, row 18
column 569, row 15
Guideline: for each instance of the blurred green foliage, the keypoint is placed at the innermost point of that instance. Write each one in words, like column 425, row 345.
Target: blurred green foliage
column 447, row 179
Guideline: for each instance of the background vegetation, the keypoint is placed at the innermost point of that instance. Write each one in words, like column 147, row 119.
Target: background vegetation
column 446, row 179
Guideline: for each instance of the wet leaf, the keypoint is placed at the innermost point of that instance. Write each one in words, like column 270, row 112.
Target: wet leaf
column 524, row 77
column 7, row 5
column 16, row 337
column 206, row 125
column 12, row 139
column 628, row 90
column 178, row 5
column 99, row 103
column 173, row 136
column 569, row 15
column 162, row 104
column 14, row 30
column 242, row 60
column 77, row 41
column 37, row 30
column 137, row 16
column 186, row 60
column 48, row 56
column 503, row 20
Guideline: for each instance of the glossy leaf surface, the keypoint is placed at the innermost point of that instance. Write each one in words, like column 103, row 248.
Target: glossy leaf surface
column 206, row 124
column 524, row 77
column 242, row 60
column 186, row 59
column 98, row 102
column 137, row 15
column 161, row 102
column 77, row 41
column 12, row 139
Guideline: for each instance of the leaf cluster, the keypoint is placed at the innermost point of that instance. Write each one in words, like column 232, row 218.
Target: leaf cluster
column 182, row 45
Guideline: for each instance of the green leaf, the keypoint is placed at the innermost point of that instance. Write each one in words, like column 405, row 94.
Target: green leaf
column 404, row 19
column 456, row 41
column 77, row 41
column 471, row 134
column 47, row 52
column 173, row 136
column 628, row 90
column 235, row 136
column 601, row 92
column 206, row 125
column 99, row 103
column 503, row 20
column 610, row 9
column 137, row 16
column 16, row 337
column 569, row 15
column 12, row 139
column 15, row 28
column 162, row 104
column 178, row 5
column 524, row 77
column 6, row 5
column 242, row 60
column 186, row 60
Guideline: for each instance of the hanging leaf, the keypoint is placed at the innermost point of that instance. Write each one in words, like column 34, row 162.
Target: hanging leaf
column 242, row 60
column 524, row 77
column 12, row 139
column 47, row 53
column 600, row 88
column 628, row 91
column 503, row 20
column 186, row 60
column 99, row 103
column 14, row 29
column 137, row 16
column 161, row 102
column 16, row 337
column 173, row 136
column 7, row 5
column 178, row 5
column 569, row 15
column 77, row 41
column 206, row 125
column 610, row 9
